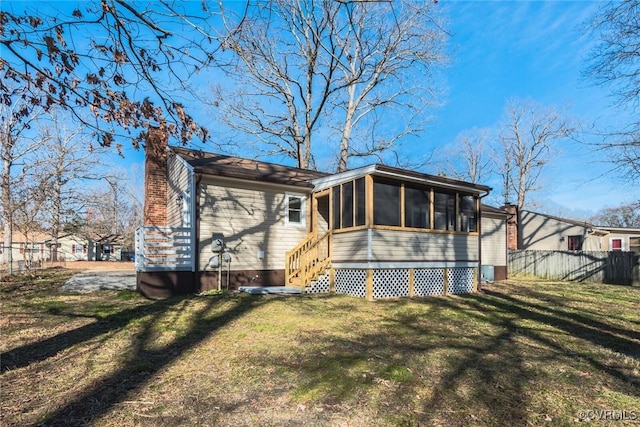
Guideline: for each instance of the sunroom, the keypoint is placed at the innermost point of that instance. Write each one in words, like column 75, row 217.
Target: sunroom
column 380, row 232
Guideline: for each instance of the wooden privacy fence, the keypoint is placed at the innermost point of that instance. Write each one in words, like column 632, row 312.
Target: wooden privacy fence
column 620, row 268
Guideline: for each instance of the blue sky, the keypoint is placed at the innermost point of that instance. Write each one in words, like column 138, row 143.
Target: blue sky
column 536, row 50
column 501, row 50
column 505, row 49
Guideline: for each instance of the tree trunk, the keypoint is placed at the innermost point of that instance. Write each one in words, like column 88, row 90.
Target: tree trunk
column 7, row 210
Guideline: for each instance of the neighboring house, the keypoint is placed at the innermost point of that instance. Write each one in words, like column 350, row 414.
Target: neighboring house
column 25, row 249
column 373, row 232
column 537, row 231
column 37, row 248
column 72, row 247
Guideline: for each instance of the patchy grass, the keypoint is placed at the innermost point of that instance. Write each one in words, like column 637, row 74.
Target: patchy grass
column 520, row 353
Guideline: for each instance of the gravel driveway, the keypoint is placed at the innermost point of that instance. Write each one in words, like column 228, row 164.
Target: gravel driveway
column 91, row 281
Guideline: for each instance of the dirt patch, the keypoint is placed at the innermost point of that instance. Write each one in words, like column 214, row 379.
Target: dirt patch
column 90, row 281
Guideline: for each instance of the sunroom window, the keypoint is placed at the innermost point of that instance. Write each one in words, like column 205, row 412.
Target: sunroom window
column 337, row 202
column 468, row 218
column 386, row 203
column 347, row 204
column 444, row 207
column 416, row 207
column 361, row 205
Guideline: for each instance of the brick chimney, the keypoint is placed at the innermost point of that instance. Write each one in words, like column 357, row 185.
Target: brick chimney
column 155, row 177
column 512, row 226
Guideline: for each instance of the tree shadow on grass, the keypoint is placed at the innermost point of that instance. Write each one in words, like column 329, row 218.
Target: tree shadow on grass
column 385, row 370
column 143, row 360
column 600, row 334
column 487, row 377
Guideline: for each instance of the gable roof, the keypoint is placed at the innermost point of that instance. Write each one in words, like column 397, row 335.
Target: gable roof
column 596, row 229
column 35, row 237
column 584, row 224
column 254, row 170
column 491, row 210
column 112, row 239
column 620, row 230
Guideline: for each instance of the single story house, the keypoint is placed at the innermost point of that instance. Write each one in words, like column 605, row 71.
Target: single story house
column 538, row 231
column 25, row 249
column 377, row 231
column 72, row 247
column 37, row 248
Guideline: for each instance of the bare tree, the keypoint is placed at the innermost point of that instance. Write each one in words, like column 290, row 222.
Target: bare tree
column 527, row 141
column 330, row 68
column 28, row 208
column 64, row 162
column 383, row 50
column 504, row 162
column 615, row 62
column 16, row 144
column 471, row 150
column 124, row 63
column 627, row 215
column 109, row 209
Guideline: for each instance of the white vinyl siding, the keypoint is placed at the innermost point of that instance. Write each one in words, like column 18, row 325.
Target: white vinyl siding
column 494, row 241
column 540, row 232
column 349, row 246
column 252, row 218
column 400, row 246
column 178, row 183
column 411, row 246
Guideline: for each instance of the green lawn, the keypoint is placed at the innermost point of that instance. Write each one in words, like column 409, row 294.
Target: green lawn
column 519, row 353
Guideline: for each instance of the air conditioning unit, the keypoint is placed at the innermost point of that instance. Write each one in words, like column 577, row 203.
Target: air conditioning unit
column 486, row 272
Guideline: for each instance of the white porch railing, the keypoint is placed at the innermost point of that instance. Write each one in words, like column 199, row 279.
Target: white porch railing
column 164, row 249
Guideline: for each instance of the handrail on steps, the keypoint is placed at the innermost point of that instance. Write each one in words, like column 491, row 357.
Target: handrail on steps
column 305, row 261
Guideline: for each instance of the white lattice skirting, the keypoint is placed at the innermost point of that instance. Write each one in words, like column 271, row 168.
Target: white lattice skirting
column 390, row 283
column 428, row 281
column 319, row 286
column 460, row 280
column 351, row 282
column 393, row 283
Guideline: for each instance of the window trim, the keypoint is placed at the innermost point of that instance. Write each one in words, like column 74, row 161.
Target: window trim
column 303, row 210
column 455, row 199
column 580, row 242
column 399, row 212
column 612, row 239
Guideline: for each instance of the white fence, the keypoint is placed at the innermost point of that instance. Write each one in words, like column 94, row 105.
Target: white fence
column 621, row 268
column 164, row 249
